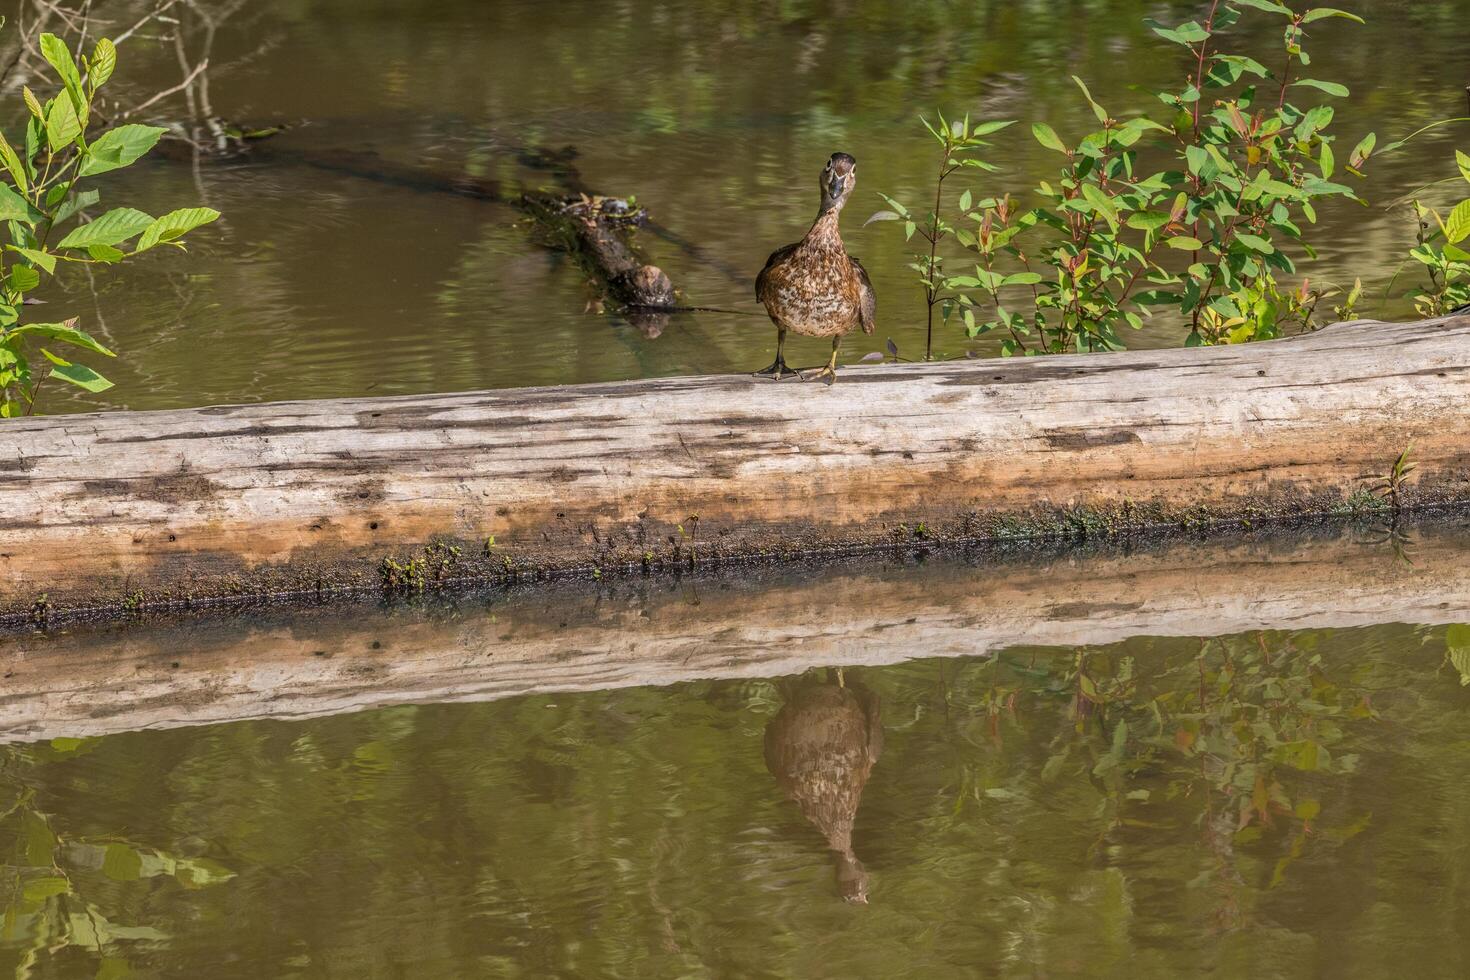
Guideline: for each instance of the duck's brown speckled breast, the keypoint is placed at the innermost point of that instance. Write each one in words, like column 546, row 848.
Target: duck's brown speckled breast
column 814, row 290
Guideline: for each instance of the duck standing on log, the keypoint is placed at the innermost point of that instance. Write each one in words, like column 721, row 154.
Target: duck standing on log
column 814, row 287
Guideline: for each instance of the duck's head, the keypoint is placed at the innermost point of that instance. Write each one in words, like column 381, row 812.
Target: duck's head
column 839, row 177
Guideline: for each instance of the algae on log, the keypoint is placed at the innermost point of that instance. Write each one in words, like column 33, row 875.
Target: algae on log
column 133, row 509
column 292, row 664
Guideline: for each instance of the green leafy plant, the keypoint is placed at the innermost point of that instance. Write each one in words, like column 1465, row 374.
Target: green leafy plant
column 48, row 187
column 1391, row 484
column 1441, row 250
column 960, row 143
column 1208, row 237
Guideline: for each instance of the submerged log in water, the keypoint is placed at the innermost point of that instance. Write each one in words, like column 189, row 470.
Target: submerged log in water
column 596, row 229
column 599, row 232
column 119, row 511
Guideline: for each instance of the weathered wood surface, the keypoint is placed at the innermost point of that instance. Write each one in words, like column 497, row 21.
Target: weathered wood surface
column 181, row 506
column 97, row 681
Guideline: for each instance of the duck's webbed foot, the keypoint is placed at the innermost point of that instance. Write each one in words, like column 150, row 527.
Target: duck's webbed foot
column 777, row 371
column 827, row 374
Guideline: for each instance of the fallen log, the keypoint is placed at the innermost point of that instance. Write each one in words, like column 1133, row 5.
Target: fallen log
column 119, row 511
column 599, row 232
column 596, row 229
column 98, row 681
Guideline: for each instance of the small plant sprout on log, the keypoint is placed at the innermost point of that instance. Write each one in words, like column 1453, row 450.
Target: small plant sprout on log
column 1391, row 484
column 41, row 192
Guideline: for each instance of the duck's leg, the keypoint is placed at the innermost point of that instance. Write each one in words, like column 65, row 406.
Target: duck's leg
column 828, row 373
column 778, row 370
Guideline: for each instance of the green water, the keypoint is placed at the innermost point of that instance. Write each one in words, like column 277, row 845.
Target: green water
column 1280, row 804
column 716, row 114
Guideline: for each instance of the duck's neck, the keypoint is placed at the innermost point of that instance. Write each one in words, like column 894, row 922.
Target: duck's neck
column 824, row 229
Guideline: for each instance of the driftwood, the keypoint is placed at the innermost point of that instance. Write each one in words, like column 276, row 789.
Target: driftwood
column 122, row 510
column 95, row 681
column 597, row 230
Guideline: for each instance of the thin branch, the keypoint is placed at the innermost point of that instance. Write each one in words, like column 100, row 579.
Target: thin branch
column 188, row 80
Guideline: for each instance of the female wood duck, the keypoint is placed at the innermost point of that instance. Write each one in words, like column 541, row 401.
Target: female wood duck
column 814, row 287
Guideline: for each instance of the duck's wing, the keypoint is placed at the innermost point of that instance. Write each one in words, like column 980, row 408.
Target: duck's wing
column 868, row 300
column 779, row 255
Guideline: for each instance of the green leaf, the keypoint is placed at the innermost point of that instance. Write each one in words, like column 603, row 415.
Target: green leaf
column 1198, row 158
column 1185, row 34
column 1102, row 202
column 1463, row 160
column 23, row 278
column 79, row 202
column 62, row 124
column 119, row 147
column 1048, row 137
column 1270, row 6
column 32, row 103
column 1184, row 243
column 1147, row 220
column 12, row 163
column 13, row 207
column 1097, row 110
column 1364, row 150
column 106, row 253
column 55, row 51
column 1331, row 88
column 1322, row 13
column 78, row 374
column 117, row 225
column 178, row 223
column 1256, row 243
column 965, row 201
column 1328, row 161
column 995, row 126
column 104, row 60
column 66, row 332
column 1156, row 297
column 1244, row 64
column 1457, row 228
column 1022, row 279
column 45, row 260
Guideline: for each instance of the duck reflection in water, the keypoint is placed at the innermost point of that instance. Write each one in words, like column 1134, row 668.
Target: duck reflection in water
column 821, row 746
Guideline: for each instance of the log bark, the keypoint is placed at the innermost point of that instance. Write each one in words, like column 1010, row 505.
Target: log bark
column 122, row 510
column 98, row 681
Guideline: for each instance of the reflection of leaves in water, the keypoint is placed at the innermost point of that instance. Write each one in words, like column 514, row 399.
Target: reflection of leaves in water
column 1234, row 739
column 1457, row 639
column 46, row 874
